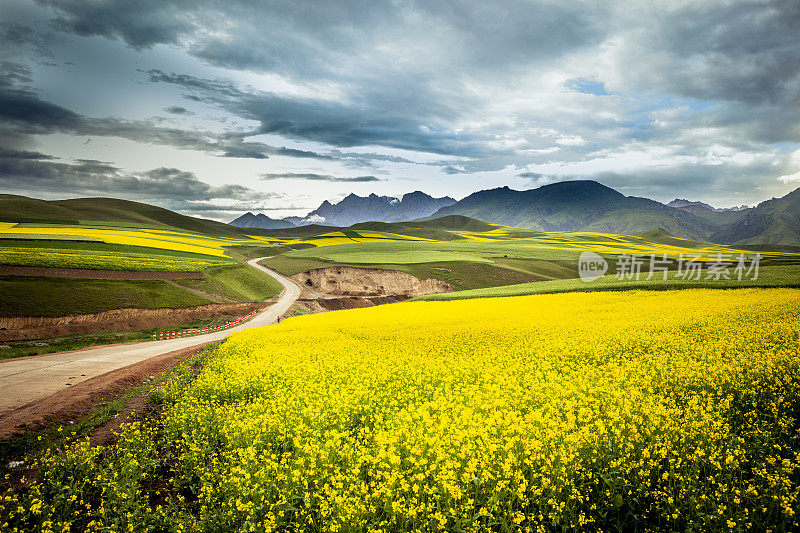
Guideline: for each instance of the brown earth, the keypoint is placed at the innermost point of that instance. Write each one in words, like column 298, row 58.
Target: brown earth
column 319, row 305
column 78, row 400
column 95, row 274
column 352, row 281
column 23, row 328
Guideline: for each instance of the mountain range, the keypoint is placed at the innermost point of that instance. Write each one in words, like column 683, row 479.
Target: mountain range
column 590, row 206
column 249, row 220
column 581, row 205
column 353, row 209
column 563, row 206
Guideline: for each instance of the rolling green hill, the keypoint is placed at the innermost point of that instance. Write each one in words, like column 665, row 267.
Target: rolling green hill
column 775, row 221
column 577, row 206
column 591, row 206
column 15, row 208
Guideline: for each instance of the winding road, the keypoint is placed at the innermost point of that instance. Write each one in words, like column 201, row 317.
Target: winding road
column 26, row 379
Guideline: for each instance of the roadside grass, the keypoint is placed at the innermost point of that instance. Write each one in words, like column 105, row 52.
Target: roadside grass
column 240, row 283
column 769, row 276
column 297, row 309
column 59, row 432
column 39, row 296
column 64, row 343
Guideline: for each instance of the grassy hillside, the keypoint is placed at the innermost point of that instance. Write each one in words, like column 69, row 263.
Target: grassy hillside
column 589, row 206
column 118, row 212
column 237, row 283
column 769, row 276
column 462, row 251
column 498, row 256
column 775, row 221
column 576, row 206
column 37, row 296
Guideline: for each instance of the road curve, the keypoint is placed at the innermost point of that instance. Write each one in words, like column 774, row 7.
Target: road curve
column 27, row 379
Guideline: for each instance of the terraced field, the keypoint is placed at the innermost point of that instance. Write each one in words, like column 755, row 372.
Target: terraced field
column 502, row 256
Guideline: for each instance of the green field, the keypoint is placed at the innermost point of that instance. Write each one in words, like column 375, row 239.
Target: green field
column 769, row 276
column 511, row 257
column 468, row 254
column 237, row 283
column 38, row 296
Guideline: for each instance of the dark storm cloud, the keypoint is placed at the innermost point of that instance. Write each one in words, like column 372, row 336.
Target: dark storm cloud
column 22, row 171
column 317, row 177
column 10, row 153
column 18, row 39
column 745, row 51
column 12, row 73
column 487, row 86
column 516, row 32
column 26, row 113
column 140, row 24
column 334, row 123
column 176, row 110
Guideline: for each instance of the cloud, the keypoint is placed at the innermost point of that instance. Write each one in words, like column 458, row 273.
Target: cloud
column 317, row 177
column 243, row 153
column 587, row 86
column 28, row 114
column 33, row 171
column 490, row 90
column 450, row 169
column 788, row 178
column 141, row 24
column 11, row 153
column 177, row 110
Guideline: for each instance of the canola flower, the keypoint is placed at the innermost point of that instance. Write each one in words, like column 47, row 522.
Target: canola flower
column 646, row 410
column 609, row 243
column 92, row 259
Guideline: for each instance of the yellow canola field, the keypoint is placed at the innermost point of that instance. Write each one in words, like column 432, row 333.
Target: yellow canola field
column 149, row 238
column 612, row 411
column 626, row 244
column 48, row 257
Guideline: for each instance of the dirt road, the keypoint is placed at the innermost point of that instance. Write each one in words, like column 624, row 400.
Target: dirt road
column 27, row 379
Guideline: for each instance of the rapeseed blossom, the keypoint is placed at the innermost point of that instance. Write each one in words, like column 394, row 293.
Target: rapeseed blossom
column 662, row 410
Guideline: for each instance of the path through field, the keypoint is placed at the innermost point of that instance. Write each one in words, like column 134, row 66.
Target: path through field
column 28, row 379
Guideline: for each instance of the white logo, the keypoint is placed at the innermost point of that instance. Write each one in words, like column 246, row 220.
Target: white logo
column 591, row 266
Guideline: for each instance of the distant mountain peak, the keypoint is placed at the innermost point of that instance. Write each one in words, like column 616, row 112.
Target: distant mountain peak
column 353, row 209
column 249, row 220
column 680, row 203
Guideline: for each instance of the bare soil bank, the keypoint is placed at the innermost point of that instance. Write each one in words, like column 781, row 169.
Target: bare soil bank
column 352, row 281
column 23, row 328
column 94, row 274
column 320, row 305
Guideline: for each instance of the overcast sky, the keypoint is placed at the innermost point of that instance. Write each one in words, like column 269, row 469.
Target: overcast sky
column 218, row 107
